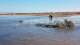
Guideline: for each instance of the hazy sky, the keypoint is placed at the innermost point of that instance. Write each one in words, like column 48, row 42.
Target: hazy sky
column 39, row 5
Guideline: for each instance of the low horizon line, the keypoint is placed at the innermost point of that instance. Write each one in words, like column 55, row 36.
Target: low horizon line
column 39, row 12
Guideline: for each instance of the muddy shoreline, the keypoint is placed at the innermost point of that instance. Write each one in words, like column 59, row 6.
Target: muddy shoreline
column 54, row 14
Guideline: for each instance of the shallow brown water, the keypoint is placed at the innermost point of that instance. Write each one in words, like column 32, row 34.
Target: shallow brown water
column 14, row 33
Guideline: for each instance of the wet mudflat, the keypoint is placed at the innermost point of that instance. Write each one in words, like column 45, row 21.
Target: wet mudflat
column 12, row 32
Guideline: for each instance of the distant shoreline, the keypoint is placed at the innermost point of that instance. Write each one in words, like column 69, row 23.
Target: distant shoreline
column 54, row 14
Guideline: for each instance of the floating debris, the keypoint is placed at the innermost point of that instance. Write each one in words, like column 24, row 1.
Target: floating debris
column 20, row 21
column 58, row 24
column 69, row 23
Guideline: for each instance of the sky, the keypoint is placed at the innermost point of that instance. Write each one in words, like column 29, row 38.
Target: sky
column 36, row 6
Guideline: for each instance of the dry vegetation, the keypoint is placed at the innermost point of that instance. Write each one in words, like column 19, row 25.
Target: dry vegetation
column 58, row 24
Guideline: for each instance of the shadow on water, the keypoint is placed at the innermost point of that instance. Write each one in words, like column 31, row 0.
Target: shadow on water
column 65, row 30
column 4, row 35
